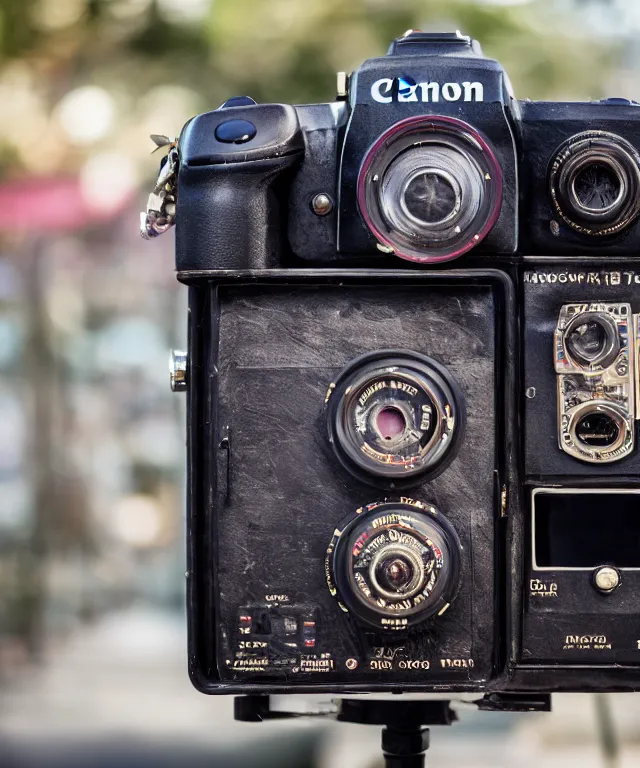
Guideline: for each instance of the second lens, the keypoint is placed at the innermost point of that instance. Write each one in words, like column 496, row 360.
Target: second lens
column 394, row 417
column 594, row 183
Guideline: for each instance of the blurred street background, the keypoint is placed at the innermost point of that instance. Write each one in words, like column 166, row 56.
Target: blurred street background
column 92, row 636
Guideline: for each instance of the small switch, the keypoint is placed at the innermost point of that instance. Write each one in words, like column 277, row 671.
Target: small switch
column 309, row 634
column 235, row 131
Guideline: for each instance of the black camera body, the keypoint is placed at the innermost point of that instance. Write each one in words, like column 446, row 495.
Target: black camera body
column 412, row 380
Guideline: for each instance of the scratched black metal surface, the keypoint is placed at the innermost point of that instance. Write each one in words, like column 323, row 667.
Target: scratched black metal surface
column 279, row 349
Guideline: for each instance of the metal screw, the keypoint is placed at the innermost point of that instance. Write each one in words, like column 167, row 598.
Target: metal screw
column 555, row 227
column 178, row 370
column 606, row 578
column 322, row 204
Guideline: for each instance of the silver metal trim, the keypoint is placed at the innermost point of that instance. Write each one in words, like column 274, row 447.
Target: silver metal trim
column 609, row 387
column 566, row 491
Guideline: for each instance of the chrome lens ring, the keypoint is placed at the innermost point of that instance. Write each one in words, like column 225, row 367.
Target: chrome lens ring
column 602, row 357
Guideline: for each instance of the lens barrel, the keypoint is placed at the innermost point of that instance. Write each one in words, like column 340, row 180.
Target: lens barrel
column 394, row 564
column 594, row 183
column 394, row 418
column 430, row 188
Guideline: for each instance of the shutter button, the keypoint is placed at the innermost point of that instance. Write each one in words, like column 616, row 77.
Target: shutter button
column 606, row 578
column 235, row 131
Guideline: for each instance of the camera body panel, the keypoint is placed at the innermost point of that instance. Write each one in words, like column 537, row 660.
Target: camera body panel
column 266, row 501
column 546, row 290
column 387, row 90
column 547, row 127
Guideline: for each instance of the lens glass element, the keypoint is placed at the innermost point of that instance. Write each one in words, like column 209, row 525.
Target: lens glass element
column 431, row 196
column 597, row 186
column 597, row 430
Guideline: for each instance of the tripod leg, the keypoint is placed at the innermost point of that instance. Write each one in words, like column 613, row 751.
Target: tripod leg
column 404, row 747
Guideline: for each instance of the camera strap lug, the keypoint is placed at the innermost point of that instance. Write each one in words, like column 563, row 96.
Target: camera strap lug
column 161, row 205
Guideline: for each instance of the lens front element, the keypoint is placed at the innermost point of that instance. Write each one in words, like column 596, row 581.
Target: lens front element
column 394, row 417
column 594, row 183
column 394, row 565
column 430, row 188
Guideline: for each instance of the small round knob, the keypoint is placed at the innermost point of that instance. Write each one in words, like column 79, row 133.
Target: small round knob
column 178, row 370
column 606, row 578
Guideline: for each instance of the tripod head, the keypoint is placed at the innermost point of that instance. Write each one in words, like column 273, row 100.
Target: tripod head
column 406, row 722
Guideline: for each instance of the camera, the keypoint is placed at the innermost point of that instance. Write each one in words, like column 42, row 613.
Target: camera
column 411, row 385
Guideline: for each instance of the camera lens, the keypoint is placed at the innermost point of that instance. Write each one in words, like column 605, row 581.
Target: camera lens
column 598, row 431
column 430, row 188
column 394, row 418
column 594, row 182
column 591, row 340
column 393, row 565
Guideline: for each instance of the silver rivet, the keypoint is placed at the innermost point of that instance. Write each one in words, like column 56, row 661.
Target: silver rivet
column 606, row 578
column 530, row 393
column 322, row 204
column 178, row 370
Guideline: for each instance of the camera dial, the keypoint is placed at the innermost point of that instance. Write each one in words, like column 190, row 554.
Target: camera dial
column 430, row 188
column 393, row 565
column 594, row 183
column 394, row 417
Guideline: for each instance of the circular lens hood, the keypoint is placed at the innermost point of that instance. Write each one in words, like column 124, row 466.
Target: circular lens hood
column 393, row 565
column 394, row 418
column 594, row 183
column 430, row 188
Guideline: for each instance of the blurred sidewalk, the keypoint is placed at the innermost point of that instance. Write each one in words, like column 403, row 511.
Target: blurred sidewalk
column 125, row 679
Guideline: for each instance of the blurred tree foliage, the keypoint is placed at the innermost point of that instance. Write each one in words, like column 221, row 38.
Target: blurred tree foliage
column 286, row 50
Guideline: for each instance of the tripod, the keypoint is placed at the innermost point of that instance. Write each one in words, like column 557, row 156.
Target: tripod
column 405, row 733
